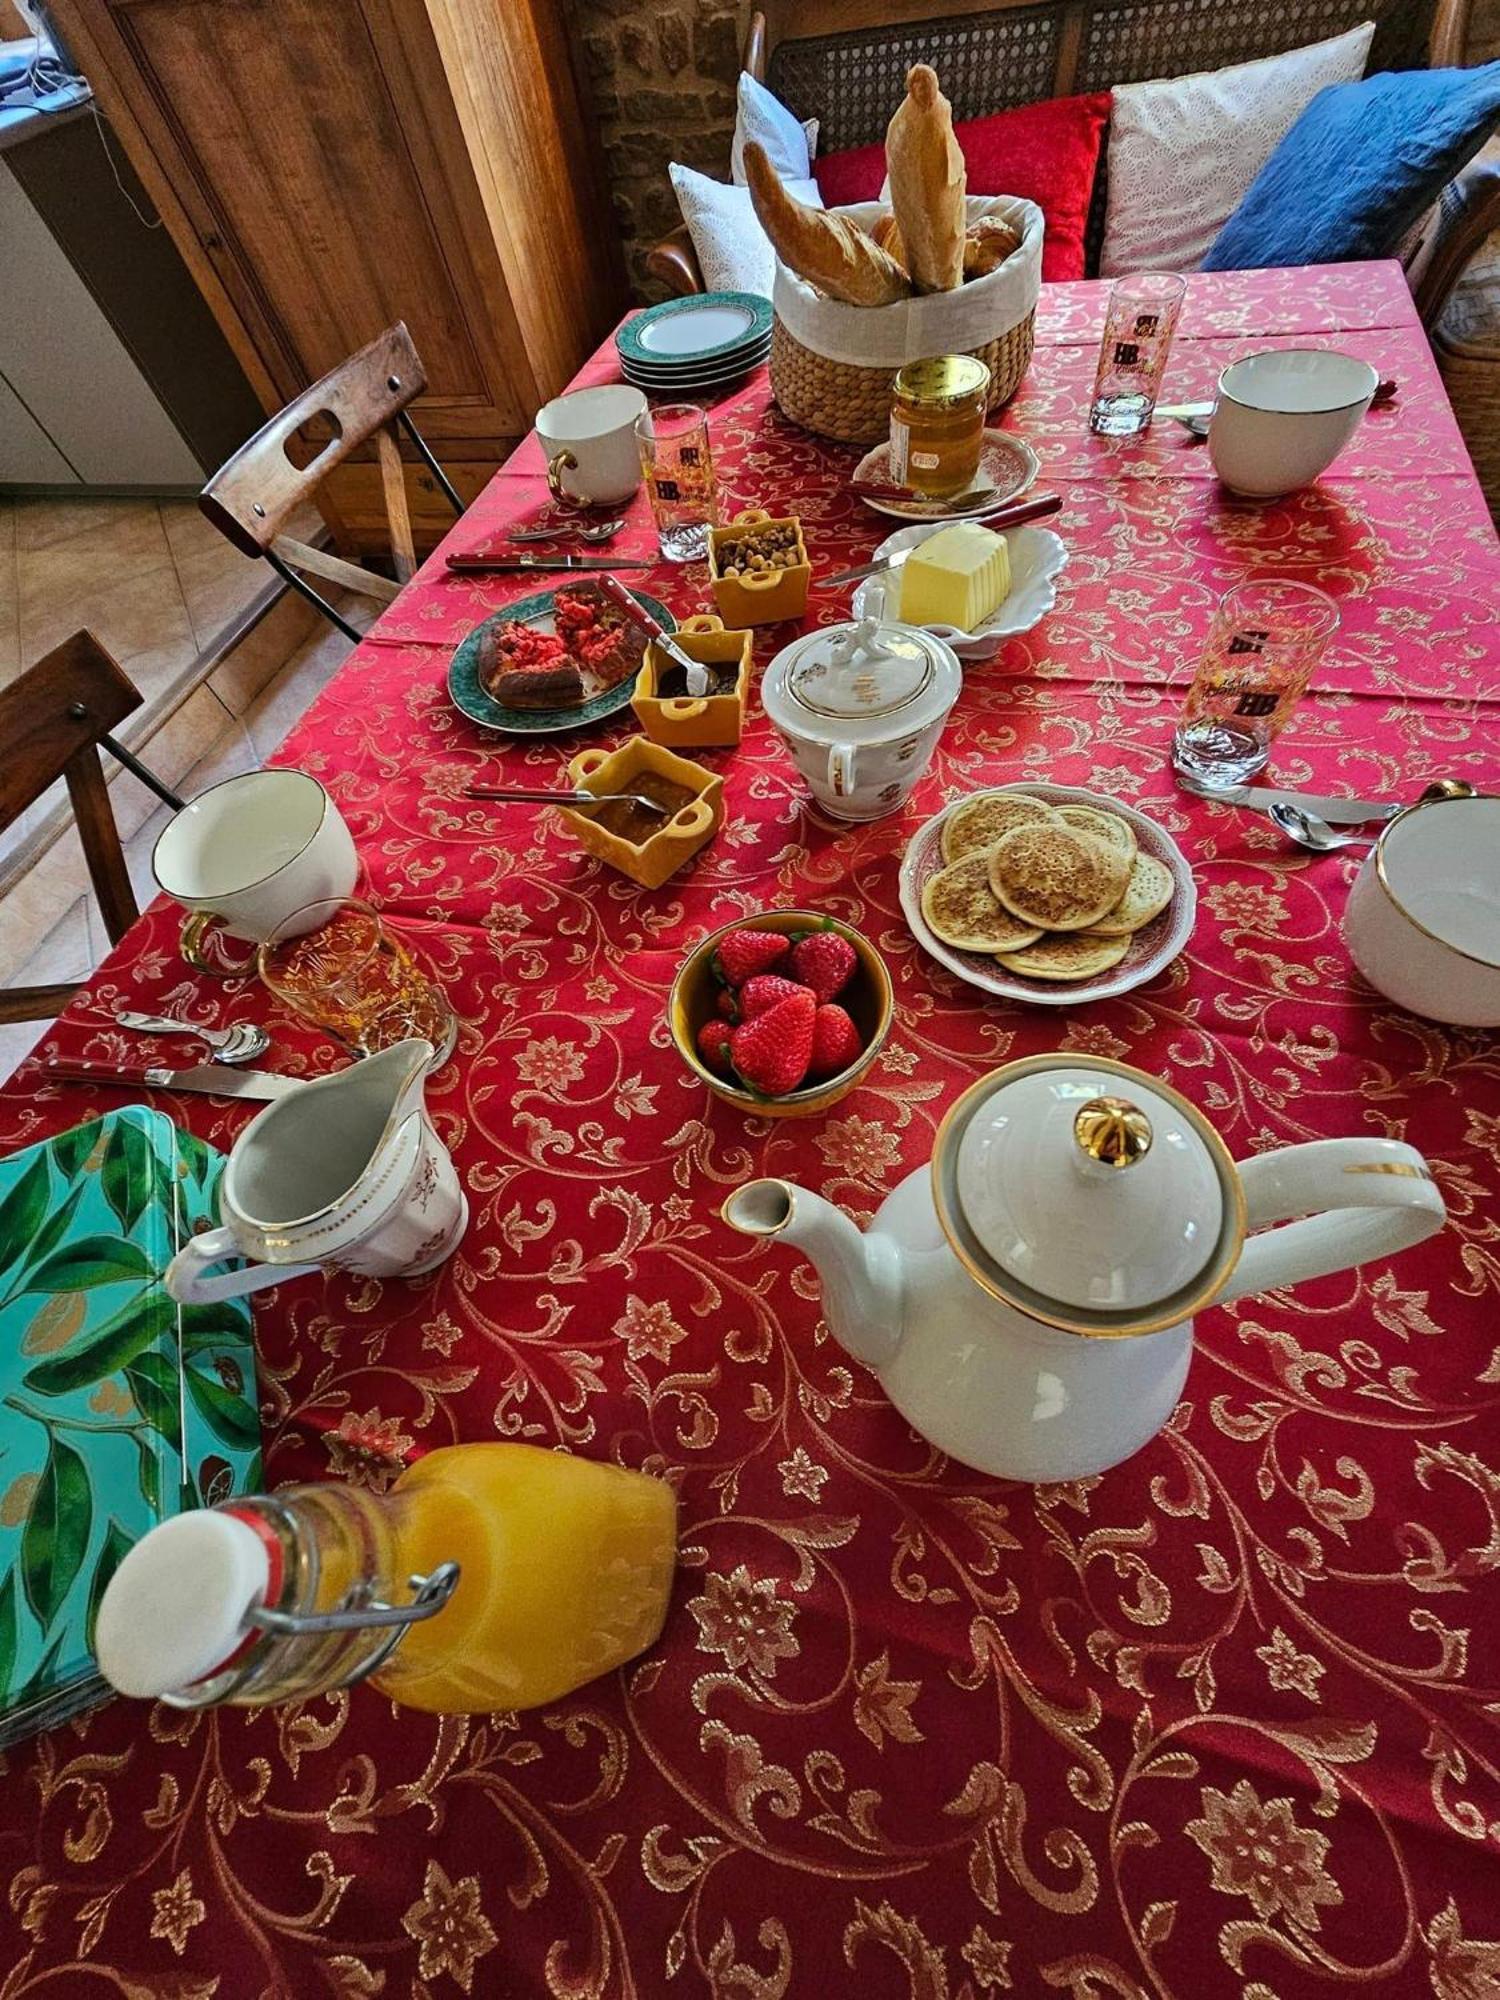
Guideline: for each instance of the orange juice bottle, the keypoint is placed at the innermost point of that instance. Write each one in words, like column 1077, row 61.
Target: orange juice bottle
column 489, row 1576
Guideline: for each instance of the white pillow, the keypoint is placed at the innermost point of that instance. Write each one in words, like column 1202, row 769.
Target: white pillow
column 734, row 252
column 759, row 115
column 1183, row 150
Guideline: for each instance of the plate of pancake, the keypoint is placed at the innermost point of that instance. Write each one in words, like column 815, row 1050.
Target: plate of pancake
column 1047, row 893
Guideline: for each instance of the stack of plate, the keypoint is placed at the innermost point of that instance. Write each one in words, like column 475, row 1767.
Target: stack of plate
column 695, row 349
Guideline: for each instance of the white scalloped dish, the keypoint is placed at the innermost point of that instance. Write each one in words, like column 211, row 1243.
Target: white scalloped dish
column 1037, row 559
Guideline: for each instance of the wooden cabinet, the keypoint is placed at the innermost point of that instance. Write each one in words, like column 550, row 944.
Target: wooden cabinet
column 330, row 166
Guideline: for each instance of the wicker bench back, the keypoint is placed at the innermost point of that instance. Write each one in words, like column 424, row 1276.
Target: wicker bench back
column 993, row 54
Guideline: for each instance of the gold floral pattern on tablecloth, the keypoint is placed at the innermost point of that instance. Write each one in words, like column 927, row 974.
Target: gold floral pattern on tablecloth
column 1219, row 1722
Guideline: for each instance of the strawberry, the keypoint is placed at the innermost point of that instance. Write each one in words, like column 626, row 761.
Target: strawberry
column 835, row 1043
column 763, row 991
column 772, row 1052
column 714, row 1038
column 741, row 954
column 725, row 1006
column 824, row 961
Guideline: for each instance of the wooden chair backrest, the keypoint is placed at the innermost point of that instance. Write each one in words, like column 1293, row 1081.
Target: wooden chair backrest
column 993, row 54
column 252, row 497
column 51, row 719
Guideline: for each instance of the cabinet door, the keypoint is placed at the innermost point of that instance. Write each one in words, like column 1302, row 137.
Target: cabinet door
column 317, row 164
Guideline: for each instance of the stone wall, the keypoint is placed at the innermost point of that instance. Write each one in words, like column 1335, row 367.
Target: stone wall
column 662, row 73
column 1484, row 31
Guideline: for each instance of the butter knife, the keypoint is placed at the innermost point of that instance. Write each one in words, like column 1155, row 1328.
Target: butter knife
column 211, row 1078
column 1338, row 810
column 500, row 565
column 1035, row 509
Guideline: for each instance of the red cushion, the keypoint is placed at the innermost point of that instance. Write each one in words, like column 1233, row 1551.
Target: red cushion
column 1047, row 152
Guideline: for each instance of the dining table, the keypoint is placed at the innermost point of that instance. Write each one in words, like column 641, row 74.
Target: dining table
column 1223, row 1720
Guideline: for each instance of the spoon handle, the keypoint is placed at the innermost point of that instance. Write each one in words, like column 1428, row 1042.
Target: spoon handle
column 519, row 795
column 164, row 1024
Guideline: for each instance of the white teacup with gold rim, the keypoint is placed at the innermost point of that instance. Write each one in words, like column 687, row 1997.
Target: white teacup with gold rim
column 589, row 439
column 1423, row 922
column 245, row 855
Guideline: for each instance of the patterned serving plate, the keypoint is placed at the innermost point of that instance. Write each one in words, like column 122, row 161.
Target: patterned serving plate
column 1007, row 463
column 1151, row 948
column 1037, row 559
column 709, row 326
column 471, row 698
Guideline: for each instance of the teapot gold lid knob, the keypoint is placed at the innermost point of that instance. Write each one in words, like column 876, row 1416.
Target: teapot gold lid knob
column 1112, row 1131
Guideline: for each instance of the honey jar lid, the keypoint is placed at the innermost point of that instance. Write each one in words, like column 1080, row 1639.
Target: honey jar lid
column 943, row 379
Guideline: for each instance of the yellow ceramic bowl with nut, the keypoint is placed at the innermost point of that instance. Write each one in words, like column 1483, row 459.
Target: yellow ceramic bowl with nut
column 695, row 722
column 645, row 851
column 868, row 1000
column 751, row 593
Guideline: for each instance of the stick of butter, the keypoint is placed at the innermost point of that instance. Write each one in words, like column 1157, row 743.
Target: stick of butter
column 957, row 577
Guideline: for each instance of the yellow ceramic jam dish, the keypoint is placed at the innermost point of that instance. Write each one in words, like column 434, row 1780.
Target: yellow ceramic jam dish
column 759, row 569
column 669, row 714
column 868, row 1000
column 645, row 845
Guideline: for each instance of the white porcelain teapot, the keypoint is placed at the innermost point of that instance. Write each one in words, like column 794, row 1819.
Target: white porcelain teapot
column 1027, row 1301
column 345, row 1173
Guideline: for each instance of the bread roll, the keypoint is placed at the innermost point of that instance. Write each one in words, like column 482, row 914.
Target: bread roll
column 987, row 244
column 830, row 251
column 886, row 231
column 928, row 184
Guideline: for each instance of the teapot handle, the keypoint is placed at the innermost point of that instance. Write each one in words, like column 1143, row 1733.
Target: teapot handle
column 1359, row 1199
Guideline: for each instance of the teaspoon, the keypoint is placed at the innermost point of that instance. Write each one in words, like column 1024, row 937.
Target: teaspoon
column 240, row 1042
column 588, row 531
column 1313, row 833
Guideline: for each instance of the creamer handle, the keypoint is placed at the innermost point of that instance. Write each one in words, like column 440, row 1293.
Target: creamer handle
column 187, row 1284
column 1360, row 1199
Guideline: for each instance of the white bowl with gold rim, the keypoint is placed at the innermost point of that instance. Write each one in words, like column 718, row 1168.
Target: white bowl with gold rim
column 1423, row 922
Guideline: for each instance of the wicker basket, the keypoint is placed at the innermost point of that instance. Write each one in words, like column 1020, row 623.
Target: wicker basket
column 840, row 400
column 832, row 365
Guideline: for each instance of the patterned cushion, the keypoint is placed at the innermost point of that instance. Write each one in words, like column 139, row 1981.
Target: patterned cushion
column 1359, row 167
column 1184, row 150
column 734, row 252
column 789, row 142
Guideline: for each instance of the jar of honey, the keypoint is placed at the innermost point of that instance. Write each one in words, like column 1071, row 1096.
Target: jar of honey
column 937, row 423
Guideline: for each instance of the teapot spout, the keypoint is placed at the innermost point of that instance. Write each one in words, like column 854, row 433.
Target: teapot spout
column 861, row 1274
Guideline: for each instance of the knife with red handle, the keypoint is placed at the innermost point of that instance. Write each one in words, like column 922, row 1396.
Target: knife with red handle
column 213, row 1079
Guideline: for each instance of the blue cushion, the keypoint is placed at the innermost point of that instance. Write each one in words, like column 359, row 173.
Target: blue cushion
column 1359, row 166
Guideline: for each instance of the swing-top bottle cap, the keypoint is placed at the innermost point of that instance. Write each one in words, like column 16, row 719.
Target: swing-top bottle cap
column 176, row 1608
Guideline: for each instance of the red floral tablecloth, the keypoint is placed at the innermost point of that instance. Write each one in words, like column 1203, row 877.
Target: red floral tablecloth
column 1223, row 1721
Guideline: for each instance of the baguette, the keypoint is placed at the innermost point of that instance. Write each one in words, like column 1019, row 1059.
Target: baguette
column 830, row 251
column 928, row 184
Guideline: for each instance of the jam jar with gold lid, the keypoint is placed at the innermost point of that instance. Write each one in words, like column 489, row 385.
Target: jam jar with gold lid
column 937, row 423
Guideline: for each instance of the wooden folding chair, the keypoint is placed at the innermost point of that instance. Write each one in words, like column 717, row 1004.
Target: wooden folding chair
column 54, row 720
column 250, row 499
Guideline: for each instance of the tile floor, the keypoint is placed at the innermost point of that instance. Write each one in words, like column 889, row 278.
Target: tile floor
column 205, row 740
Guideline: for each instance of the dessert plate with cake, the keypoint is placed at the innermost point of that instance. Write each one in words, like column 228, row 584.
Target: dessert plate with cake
column 1047, row 893
column 560, row 660
column 965, row 584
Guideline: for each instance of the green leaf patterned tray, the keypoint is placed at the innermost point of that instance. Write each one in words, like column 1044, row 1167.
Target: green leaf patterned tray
column 118, row 1407
column 470, row 695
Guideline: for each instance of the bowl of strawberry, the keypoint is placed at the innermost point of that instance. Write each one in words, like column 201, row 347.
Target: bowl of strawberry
column 782, row 1014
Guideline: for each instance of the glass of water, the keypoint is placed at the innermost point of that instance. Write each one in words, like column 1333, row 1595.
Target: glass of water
column 679, row 473
column 1138, row 329
column 1266, row 638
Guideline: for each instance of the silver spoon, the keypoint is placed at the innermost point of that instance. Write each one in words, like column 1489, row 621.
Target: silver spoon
column 587, row 531
column 241, row 1042
column 543, row 797
column 1313, row 833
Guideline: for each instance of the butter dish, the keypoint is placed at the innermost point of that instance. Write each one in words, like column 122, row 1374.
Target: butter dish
column 1037, row 557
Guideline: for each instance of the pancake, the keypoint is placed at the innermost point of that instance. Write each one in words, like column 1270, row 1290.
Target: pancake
column 1106, row 826
column 1070, row 956
column 962, row 909
column 1146, row 895
column 1056, row 877
column 979, row 822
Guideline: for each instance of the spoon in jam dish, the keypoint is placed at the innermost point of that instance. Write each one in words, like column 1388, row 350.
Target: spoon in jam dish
column 517, row 795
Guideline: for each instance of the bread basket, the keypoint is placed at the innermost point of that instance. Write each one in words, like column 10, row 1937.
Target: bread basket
column 832, row 365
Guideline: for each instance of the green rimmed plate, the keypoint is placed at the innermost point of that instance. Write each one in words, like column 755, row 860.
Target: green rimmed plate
column 469, row 694
column 707, row 327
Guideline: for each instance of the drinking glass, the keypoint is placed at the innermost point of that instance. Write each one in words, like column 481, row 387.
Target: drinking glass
column 1266, row 638
column 1138, row 329
column 679, row 473
column 340, row 966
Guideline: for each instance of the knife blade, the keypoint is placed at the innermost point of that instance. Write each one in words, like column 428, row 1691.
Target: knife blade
column 1036, row 509
column 1337, row 810
column 500, row 565
column 213, row 1079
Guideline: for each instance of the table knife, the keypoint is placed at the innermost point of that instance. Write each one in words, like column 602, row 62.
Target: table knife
column 1035, row 509
column 213, row 1079
column 1337, row 810
column 499, row 565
